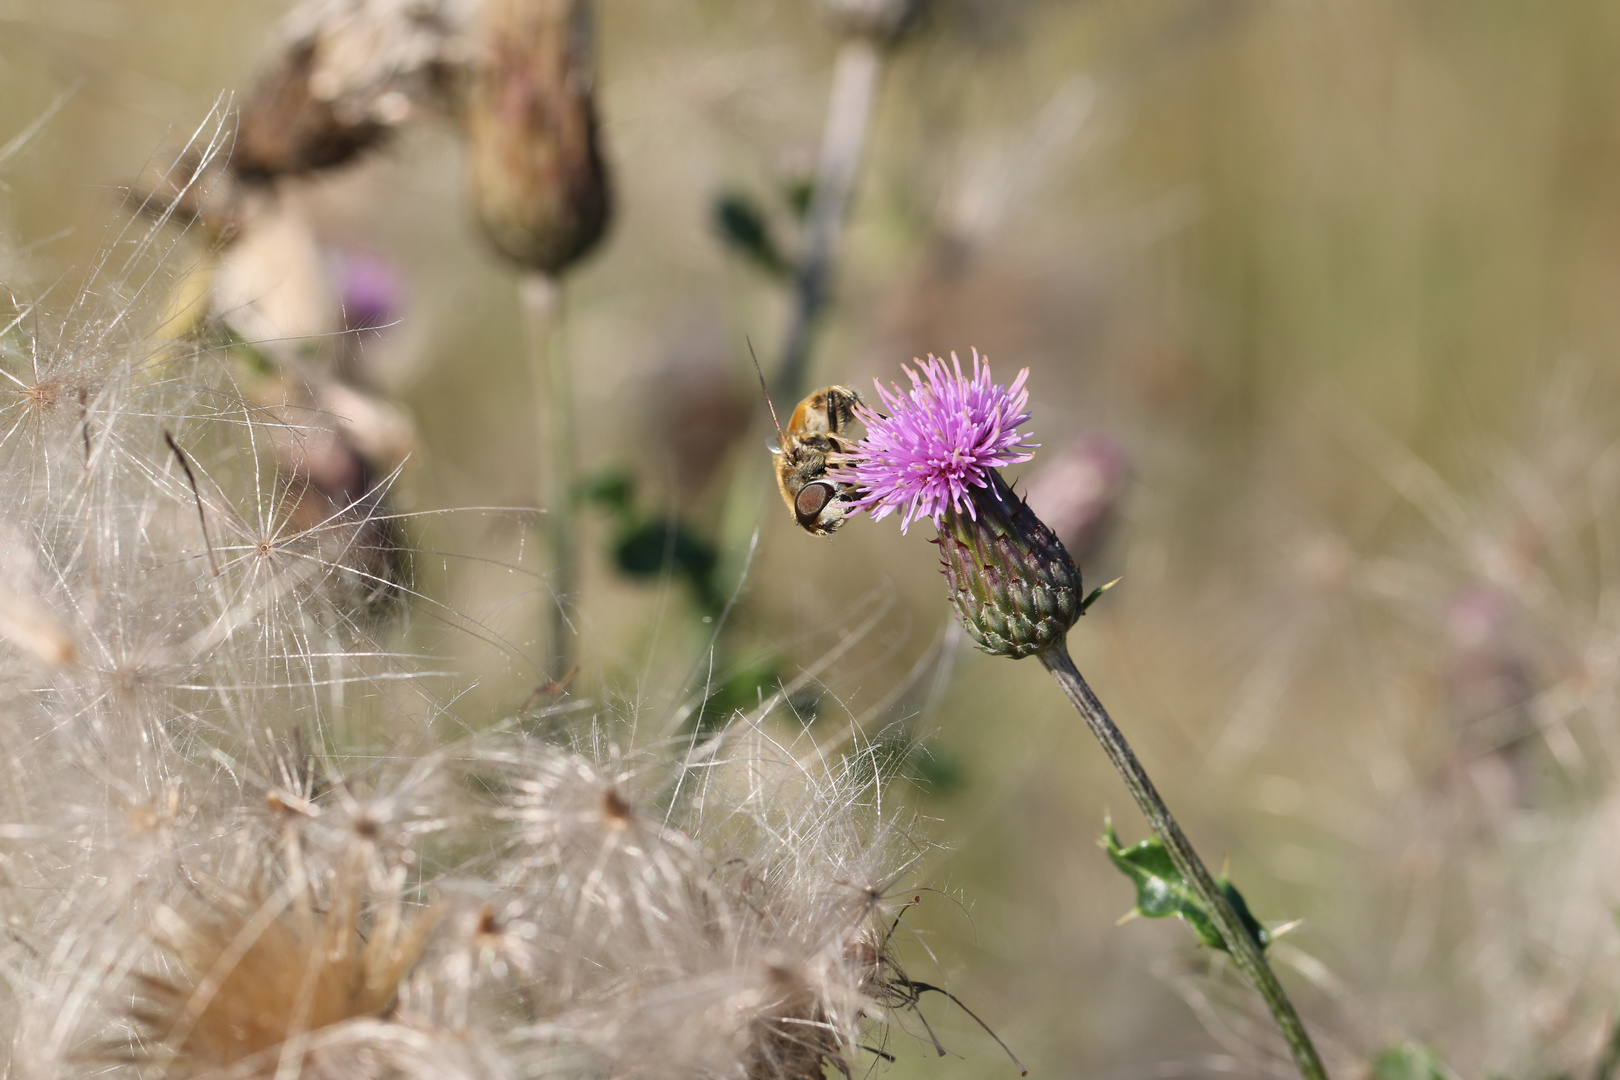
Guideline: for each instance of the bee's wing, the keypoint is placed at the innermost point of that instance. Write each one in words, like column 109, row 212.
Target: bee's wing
column 773, row 446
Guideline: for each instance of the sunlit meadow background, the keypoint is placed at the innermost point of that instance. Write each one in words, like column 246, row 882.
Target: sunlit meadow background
column 1341, row 278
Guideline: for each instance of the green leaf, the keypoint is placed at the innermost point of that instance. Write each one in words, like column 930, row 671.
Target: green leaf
column 743, row 228
column 798, row 193
column 655, row 546
column 1409, row 1061
column 1161, row 891
column 612, row 489
column 937, row 771
column 742, row 689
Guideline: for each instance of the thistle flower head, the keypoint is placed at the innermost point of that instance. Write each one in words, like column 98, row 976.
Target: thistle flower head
column 1014, row 586
column 940, row 441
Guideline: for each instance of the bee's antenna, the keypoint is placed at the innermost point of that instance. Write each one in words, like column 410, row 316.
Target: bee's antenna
column 202, row 518
column 780, row 438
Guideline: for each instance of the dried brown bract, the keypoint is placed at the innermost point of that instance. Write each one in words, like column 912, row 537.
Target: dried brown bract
column 250, row 979
column 287, row 131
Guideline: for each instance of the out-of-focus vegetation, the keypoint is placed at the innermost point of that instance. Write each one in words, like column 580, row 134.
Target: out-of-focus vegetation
column 1339, row 278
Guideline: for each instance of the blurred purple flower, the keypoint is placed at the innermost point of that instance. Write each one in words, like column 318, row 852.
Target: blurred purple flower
column 1077, row 492
column 1487, row 674
column 370, row 289
column 943, row 438
column 1488, row 687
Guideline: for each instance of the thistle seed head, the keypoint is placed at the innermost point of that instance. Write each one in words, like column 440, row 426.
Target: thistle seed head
column 250, row 980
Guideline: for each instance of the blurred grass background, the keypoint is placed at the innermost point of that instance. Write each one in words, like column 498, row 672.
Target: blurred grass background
column 1340, row 277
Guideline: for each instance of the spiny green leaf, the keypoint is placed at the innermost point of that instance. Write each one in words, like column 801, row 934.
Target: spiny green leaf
column 1409, row 1061
column 1161, row 891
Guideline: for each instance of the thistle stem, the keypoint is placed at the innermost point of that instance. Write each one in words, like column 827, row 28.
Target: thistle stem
column 554, row 407
column 855, row 80
column 1245, row 952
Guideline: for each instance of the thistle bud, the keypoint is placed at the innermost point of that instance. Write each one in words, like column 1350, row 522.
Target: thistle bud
column 1013, row 584
column 537, row 180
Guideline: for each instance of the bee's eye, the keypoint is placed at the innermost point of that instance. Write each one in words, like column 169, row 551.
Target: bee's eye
column 811, row 501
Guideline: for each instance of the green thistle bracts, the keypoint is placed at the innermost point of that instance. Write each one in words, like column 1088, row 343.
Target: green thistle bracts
column 1015, row 588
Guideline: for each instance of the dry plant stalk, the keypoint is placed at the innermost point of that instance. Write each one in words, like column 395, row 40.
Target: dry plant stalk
column 539, row 188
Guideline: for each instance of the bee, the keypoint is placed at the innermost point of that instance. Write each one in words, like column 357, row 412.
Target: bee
column 815, row 432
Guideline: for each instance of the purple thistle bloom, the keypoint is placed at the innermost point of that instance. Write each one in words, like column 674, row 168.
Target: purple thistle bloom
column 942, row 439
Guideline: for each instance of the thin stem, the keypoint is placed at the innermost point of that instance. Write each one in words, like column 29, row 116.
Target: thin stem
column 1245, row 952
column 857, row 71
column 555, row 414
column 854, row 88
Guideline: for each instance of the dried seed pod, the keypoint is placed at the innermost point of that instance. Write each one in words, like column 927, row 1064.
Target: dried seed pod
column 352, row 71
column 538, row 183
column 383, row 58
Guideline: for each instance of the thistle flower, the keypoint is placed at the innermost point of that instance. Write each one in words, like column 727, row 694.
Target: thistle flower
column 1017, row 591
column 1014, row 586
column 943, row 438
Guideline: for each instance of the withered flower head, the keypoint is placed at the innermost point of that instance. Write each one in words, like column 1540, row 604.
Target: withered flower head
column 285, row 130
column 351, row 72
column 538, row 183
